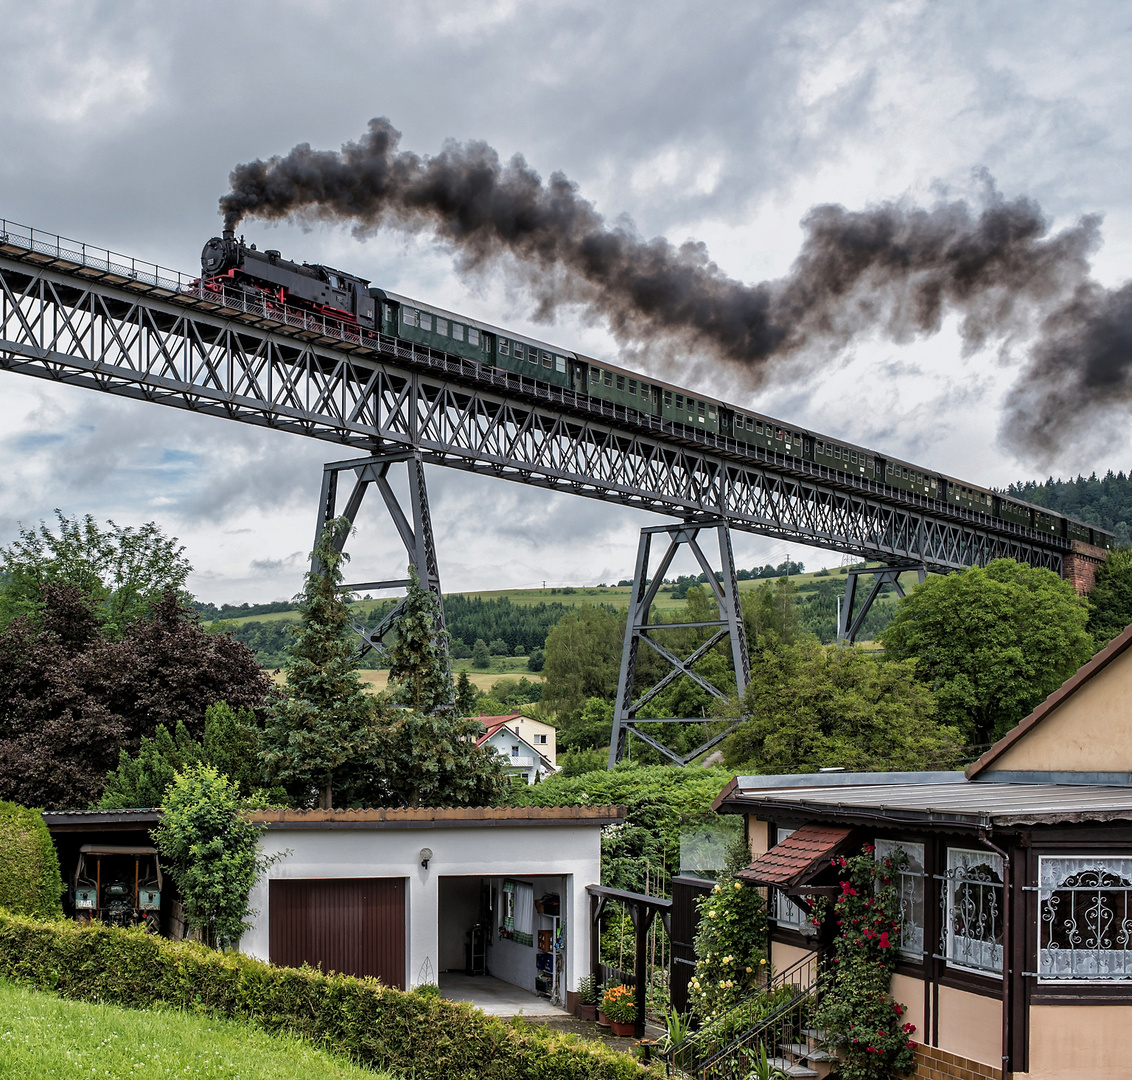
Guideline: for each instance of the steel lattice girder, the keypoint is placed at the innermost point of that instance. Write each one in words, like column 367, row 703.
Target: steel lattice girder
column 158, row 345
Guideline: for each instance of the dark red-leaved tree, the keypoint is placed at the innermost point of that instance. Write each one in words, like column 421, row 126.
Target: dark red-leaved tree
column 70, row 699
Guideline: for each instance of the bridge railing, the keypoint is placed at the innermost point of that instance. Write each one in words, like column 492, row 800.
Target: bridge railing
column 95, row 258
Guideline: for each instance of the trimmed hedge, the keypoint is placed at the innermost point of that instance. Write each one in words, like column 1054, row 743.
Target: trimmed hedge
column 30, row 882
column 410, row 1034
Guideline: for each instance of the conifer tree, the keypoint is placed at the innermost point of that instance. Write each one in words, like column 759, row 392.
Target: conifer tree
column 466, row 695
column 326, row 734
column 419, row 658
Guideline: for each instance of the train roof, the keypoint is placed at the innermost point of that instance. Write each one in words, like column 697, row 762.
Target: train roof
column 456, row 316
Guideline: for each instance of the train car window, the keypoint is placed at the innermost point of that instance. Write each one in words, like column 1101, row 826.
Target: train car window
column 711, row 412
column 595, row 374
column 904, row 473
column 778, row 433
column 426, row 321
column 457, row 331
column 442, row 327
column 738, row 421
column 607, row 378
column 645, row 390
column 547, row 360
column 620, row 382
column 518, row 353
column 473, row 336
column 750, row 424
column 633, row 387
column 668, row 399
column 560, row 364
column 700, row 410
column 409, row 316
column 679, row 402
column 504, row 347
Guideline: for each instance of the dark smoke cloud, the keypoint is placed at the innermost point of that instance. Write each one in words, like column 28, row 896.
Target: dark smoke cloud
column 896, row 268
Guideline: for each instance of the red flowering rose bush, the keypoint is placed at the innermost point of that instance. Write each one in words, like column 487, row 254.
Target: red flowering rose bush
column 856, row 1010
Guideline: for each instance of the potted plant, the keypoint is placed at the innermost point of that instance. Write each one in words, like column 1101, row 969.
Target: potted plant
column 586, row 1009
column 619, row 1003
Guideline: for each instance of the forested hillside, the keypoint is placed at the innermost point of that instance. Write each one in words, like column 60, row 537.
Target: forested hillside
column 1106, row 502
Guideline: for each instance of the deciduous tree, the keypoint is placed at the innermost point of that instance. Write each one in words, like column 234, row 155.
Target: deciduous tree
column 126, row 570
column 991, row 642
column 583, row 658
column 419, row 665
column 1110, row 602
column 212, row 852
column 812, row 706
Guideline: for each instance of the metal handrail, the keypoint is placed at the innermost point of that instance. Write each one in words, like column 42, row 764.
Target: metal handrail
column 809, row 966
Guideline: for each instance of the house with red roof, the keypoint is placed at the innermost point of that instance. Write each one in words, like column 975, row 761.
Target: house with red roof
column 527, row 745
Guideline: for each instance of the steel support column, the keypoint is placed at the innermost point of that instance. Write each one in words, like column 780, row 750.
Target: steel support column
column 414, row 529
column 849, row 624
column 639, row 628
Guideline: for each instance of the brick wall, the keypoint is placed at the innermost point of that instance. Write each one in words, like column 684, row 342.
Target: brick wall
column 1080, row 566
column 935, row 1064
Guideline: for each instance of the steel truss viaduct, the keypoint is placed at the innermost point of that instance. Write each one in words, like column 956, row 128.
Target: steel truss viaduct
column 85, row 316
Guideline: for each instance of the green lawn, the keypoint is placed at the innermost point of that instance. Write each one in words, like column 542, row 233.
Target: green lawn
column 44, row 1036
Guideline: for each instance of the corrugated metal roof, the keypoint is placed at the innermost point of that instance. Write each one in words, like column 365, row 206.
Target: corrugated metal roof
column 788, row 862
column 968, row 804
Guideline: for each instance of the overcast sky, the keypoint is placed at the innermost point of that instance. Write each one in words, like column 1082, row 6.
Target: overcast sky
column 719, row 121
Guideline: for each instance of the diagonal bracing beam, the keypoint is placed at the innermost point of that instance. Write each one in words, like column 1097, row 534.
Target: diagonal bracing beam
column 639, row 628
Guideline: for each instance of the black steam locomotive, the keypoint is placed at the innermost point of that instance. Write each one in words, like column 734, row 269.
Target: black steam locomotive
column 230, row 266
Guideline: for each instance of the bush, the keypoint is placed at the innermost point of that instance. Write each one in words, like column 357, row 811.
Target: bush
column 418, row 1035
column 30, row 882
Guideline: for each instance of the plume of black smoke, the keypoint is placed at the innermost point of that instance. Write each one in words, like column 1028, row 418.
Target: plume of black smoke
column 894, row 267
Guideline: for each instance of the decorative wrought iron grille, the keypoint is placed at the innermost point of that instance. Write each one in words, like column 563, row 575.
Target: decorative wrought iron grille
column 973, row 905
column 1084, row 917
column 910, row 881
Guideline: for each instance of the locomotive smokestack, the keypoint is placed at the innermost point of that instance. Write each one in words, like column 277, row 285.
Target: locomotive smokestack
column 229, row 234
column 897, row 268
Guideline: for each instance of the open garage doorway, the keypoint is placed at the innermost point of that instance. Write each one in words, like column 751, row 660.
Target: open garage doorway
column 504, row 930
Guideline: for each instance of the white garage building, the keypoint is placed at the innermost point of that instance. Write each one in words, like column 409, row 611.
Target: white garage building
column 407, row 895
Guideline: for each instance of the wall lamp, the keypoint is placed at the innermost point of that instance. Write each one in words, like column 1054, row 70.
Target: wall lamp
column 426, row 855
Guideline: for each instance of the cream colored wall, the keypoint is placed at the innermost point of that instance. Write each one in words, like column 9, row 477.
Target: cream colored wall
column 1090, row 731
column 970, row 1025
column 909, row 992
column 757, row 835
column 528, row 728
column 786, row 956
column 1093, row 1041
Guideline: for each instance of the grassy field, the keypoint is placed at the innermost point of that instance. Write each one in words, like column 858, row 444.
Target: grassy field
column 379, row 680
column 615, row 596
column 43, row 1036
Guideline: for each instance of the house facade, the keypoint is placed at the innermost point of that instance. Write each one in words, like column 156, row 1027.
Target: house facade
column 1016, row 950
column 527, row 745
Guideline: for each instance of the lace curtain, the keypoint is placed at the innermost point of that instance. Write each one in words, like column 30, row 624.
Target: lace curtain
column 1084, row 917
column 973, row 902
column 911, row 885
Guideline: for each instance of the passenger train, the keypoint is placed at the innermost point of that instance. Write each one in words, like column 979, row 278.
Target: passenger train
column 230, row 264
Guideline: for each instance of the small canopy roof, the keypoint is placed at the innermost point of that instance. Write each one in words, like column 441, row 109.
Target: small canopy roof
column 116, row 849
column 797, row 859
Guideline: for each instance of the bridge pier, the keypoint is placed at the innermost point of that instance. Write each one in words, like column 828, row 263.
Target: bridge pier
column 414, row 527
column 638, row 629
column 849, row 624
column 1080, row 566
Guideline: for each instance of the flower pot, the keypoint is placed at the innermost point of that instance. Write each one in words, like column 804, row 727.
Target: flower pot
column 585, row 1012
column 624, row 1031
column 602, row 1019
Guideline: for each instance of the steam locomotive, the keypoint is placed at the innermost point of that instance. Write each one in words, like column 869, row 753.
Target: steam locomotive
column 230, row 266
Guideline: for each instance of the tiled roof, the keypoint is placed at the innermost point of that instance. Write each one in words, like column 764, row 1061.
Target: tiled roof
column 791, row 861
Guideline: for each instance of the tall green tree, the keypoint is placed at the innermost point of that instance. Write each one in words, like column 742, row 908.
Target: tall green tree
column 466, row 695
column 419, row 665
column 992, row 642
column 125, row 570
column 1110, row 602
column 812, row 706
column 771, row 615
column 212, row 852
column 583, row 658
column 326, row 734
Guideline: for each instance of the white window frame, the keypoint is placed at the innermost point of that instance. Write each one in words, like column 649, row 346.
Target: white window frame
column 911, row 886
column 969, row 894
column 1072, row 907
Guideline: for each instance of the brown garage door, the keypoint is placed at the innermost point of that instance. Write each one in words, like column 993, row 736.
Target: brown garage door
column 352, row 925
